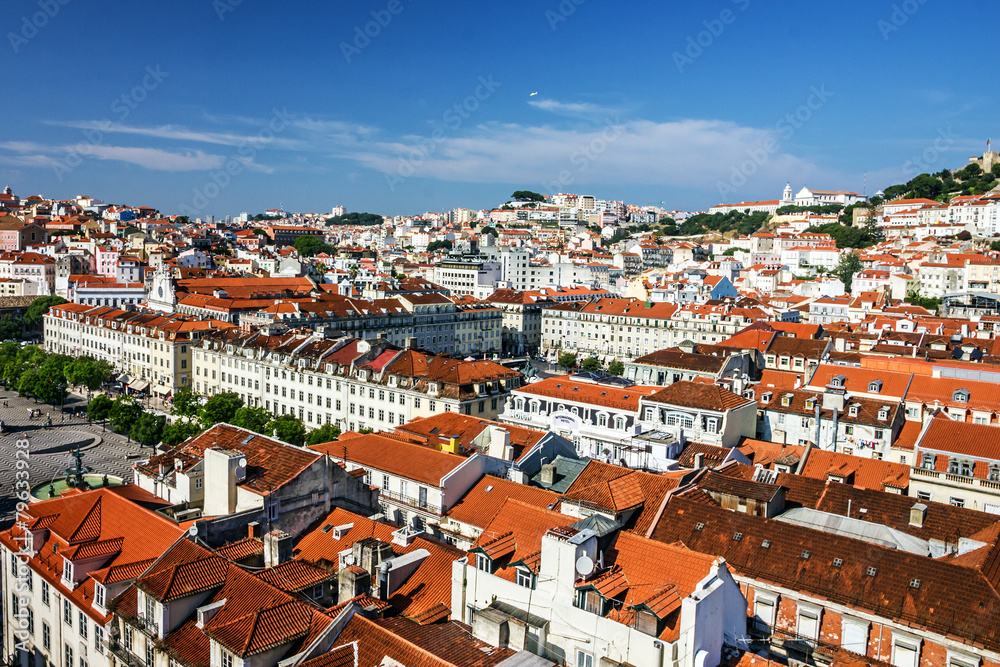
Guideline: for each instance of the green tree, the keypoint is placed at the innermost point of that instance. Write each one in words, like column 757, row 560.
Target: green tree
column 444, row 244
column 148, row 429
column 355, row 219
column 567, row 360
column 179, row 431
column 616, row 368
column 50, row 380
column 11, row 327
column 324, row 433
column 490, row 230
column 186, row 403
column 38, row 308
column 591, row 365
column 99, row 407
column 964, row 235
column 87, row 371
column 220, row 408
column 310, row 246
column 917, row 299
column 847, row 267
column 527, row 195
column 125, row 412
column 995, row 246
column 252, row 419
column 27, row 383
column 288, row 428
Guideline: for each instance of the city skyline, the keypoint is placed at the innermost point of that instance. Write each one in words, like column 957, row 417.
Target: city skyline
column 393, row 107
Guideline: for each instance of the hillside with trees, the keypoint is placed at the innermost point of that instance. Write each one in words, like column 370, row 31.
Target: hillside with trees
column 942, row 186
column 355, row 219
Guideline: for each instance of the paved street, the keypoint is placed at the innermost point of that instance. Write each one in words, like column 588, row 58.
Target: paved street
column 50, row 447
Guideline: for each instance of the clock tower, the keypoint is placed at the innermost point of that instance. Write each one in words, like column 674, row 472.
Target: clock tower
column 161, row 294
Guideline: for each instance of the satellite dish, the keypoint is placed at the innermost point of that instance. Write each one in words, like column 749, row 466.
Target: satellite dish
column 193, row 531
column 243, row 463
column 585, row 566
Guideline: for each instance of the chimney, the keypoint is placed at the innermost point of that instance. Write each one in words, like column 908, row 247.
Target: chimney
column 222, row 473
column 500, row 444
column 351, row 582
column 253, row 529
column 917, row 515
column 454, row 445
column 411, row 343
column 277, row 548
column 699, row 461
column 549, row 474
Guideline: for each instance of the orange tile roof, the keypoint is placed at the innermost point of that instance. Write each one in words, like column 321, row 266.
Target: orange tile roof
column 524, row 526
column 270, row 463
column 405, row 459
column 482, row 502
column 696, row 395
column 568, row 389
column 104, row 521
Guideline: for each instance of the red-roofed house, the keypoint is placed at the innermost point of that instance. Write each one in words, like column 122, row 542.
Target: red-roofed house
column 578, row 596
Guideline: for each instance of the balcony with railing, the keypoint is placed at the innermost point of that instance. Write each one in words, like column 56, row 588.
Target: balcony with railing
column 414, row 503
column 123, row 654
column 961, row 481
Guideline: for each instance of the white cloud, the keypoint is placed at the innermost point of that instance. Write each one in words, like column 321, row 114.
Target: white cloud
column 685, row 153
column 43, row 155
column 572, row 109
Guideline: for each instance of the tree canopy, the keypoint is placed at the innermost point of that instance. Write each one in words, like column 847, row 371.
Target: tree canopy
column 567, row 360
column 591, row 364
column 148, row 429
column 444, row 244
column 220, row 408
column 288, row 429
column 11, row 328
column 308, row 245
column 848, row 237
column 324, row 433
column 527, row 195
column 125, row 412
column 355, row 219
column 849, row 265
column 99, row 407
column 38, row 308
column 186, row 402
column 616, row 368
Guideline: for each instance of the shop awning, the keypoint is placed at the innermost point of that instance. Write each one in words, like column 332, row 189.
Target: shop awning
column 162, row 390
column 139, row 385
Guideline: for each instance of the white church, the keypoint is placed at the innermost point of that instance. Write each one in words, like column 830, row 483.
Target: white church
column 804, row 197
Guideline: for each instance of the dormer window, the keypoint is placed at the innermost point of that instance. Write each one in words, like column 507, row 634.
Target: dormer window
column 810, row 403
column 883, row 413
column 100, row 595
column 786, row 400
column 853, row 410
column 875, row 387
column 67, row 573
column 483, row 563
column 961, row 396
column 838, row 381
column 766, row 398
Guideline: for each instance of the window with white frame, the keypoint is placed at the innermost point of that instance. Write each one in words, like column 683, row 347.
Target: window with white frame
column 483, row 562
column 525, row 578
column 905, row 651
column 808, row 623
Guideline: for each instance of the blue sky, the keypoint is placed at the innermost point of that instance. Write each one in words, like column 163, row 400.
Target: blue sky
column 223, row 106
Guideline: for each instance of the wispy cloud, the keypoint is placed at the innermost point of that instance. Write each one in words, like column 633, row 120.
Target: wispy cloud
column 686, row 153
column 573, row 109
column 45, row 155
